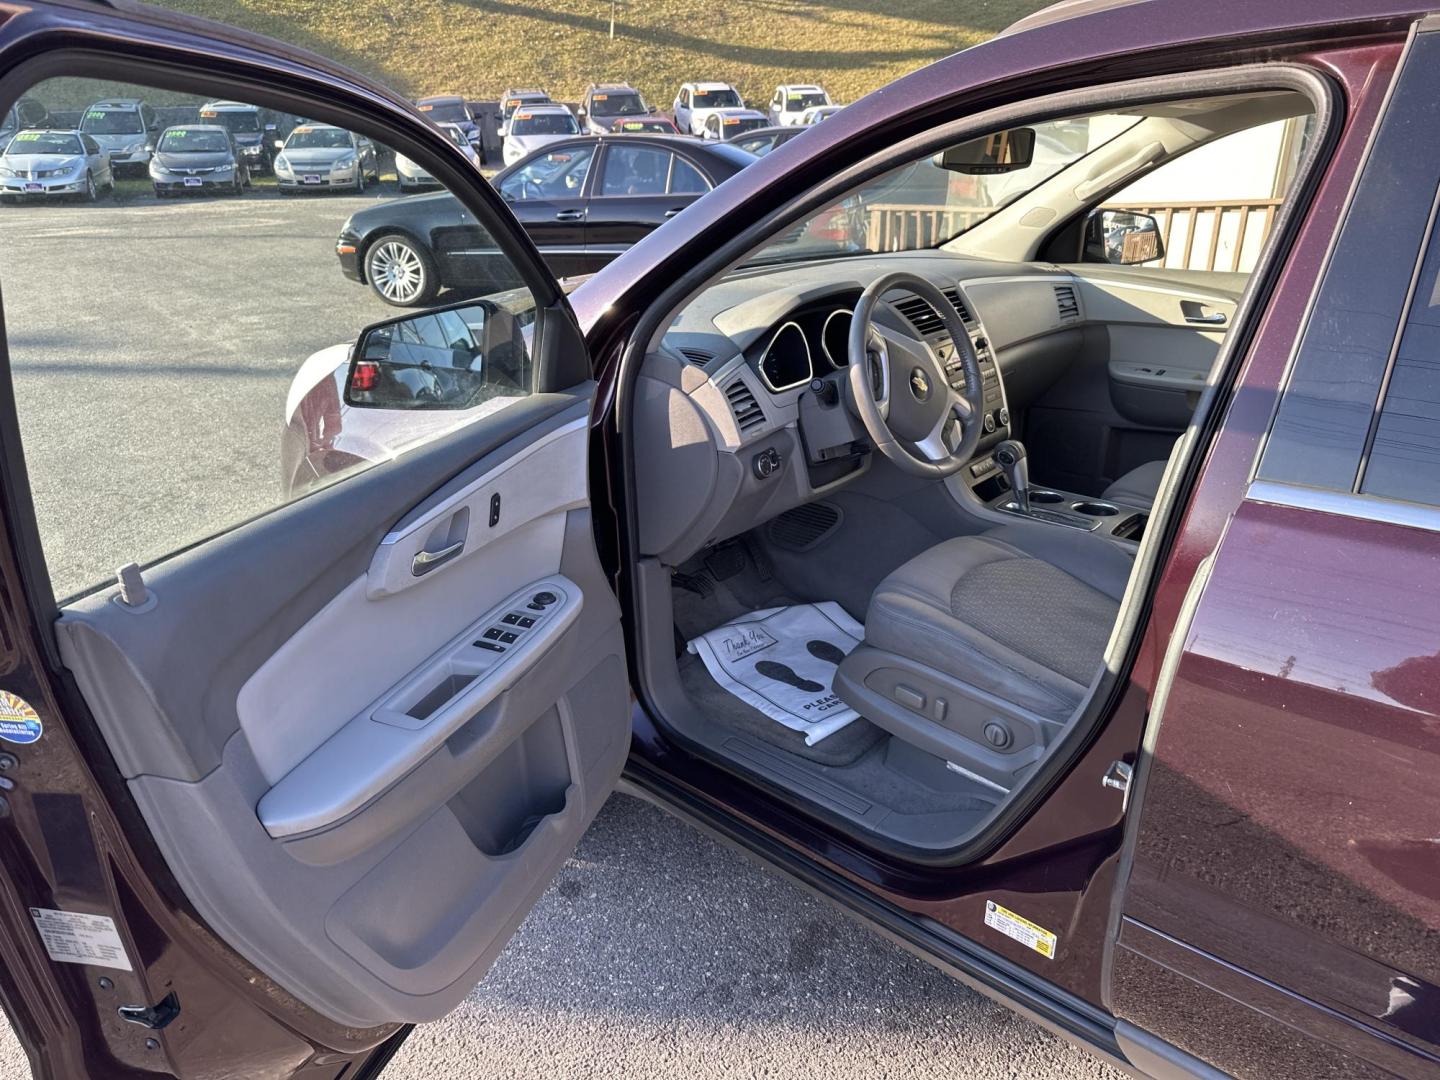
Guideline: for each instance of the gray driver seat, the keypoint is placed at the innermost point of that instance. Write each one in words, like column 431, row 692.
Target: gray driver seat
column 980, row 648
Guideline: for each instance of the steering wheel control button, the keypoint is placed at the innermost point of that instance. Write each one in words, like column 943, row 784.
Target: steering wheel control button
column 766, row 463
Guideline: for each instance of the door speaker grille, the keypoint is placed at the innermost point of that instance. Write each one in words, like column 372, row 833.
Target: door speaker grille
column 804, row 527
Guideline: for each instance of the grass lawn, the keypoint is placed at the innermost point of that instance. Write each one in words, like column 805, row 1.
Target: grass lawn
column 479, row 47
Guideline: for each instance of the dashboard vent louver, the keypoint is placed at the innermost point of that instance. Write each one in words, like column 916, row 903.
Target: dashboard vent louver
column 697, row 356
column 1067, row 303
column 748, row 413
column 925, row 318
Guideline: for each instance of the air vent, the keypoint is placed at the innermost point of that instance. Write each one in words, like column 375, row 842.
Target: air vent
column 748, row 413
column 925, row 318
column 697, row 356
column 804, row 527
column 1066, row 302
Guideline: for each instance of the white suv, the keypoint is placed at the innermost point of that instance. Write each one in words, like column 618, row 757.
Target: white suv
column 790, row 102
column 697, row 100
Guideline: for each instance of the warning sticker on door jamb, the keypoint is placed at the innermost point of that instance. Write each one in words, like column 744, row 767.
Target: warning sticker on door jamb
column 1021, row 929
column 73, row 937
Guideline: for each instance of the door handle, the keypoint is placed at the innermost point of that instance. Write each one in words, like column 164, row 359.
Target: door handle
column 426, row 561
column 672, row 213
column 570, row 215
column 1215, row 318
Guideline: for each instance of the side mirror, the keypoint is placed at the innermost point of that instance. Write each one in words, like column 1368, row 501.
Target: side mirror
column 1122, row 237
column 443, row 358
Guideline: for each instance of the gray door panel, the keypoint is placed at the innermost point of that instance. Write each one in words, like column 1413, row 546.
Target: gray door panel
column 1151, row 338
column 351, row 793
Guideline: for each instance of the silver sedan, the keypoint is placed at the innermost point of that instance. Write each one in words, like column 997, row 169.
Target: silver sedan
column 45, row 161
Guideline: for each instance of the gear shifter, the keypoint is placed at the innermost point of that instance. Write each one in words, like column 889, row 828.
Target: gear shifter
column 1010, row 456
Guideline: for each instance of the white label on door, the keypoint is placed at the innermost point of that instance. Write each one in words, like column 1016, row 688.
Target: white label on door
column 72, row 937
column 1020, row 928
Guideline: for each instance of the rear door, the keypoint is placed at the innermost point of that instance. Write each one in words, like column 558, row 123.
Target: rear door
column 549, row 196
column 638, row 189
column 1279, row 914
column 357, row 722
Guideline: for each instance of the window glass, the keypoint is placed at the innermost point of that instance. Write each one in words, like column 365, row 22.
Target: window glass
column 172, row 383
column 559, row 174
column 717, row 99
column 635, row 170
column 43, row 142
column 544, row 123
column 685, row 179
column 617, row 104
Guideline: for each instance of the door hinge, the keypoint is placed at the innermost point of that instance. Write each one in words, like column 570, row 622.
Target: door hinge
column 153, row 1017
column 1118, row 776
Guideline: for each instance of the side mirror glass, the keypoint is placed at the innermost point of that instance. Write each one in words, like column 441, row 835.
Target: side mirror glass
column 1122, row 237
column 454, row 357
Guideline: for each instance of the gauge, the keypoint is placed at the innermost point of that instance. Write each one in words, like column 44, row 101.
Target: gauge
column 785, row 364
column 835, row 337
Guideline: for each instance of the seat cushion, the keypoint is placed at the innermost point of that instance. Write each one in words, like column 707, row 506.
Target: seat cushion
column 1138, row 486
column 1022, row 612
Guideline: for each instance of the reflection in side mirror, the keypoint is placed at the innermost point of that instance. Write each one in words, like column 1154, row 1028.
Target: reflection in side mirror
column 1122, row 237
column 454, row 357
column 998, row 152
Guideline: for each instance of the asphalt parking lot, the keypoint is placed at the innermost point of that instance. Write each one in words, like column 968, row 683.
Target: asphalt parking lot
column 661, row 953
column 153, row 345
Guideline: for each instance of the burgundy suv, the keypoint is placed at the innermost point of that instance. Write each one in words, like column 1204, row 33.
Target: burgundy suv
column 1048, row 579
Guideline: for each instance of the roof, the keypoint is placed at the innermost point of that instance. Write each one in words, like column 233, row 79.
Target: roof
column 548, row 108
column 229, row 106
column 737, row 110
column 116, row 103
column 1065, row 9
column 51, row 131
column 197, row 127
column 527, row 90
column 816, row 87
column 611, row 86
column 440, row 97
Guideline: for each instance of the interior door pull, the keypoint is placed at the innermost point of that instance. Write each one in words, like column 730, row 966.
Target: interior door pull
column 426, row 561
column 1215, row 318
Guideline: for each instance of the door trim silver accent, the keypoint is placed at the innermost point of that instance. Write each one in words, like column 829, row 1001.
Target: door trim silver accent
column 1345, row 504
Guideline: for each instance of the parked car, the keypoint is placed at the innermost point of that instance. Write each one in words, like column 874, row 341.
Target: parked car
column 644, row 125
column 41, row 163
column 816, row 114
column 125, row 129
column 789, row 102
column 723, row 124
column 197, row 159
column 1133, row 728
column 514, row 98
column 412, row 176
column 320, row 157
column 583, row 201
column 604, row 105
column 696, row 100
column 25, row 113
column 250, row 127
column 534, row 126
column 760, row 141
column 451, row 109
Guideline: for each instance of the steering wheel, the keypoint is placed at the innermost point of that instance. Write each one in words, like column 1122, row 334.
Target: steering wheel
column 925, row 414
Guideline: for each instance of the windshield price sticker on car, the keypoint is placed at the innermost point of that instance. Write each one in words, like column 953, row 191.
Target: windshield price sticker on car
column 73, row 937
column 209, row 114
column 19, row 722
column 28, row 136
column 1021, row 929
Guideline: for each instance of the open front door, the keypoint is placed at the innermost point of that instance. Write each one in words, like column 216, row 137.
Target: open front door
column 364, row 712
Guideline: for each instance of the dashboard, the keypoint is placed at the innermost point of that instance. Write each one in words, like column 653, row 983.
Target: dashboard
column 741, row 412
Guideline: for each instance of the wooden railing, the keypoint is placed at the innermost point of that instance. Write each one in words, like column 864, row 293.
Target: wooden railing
column 1227, row 234
column 1220, row 235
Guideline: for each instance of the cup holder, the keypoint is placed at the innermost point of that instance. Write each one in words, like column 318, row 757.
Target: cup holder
column 1046, row 497
column 1095, row 509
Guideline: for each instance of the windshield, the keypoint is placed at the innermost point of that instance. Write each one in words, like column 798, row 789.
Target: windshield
column 616, row 105
column 241, row 121
column 513, row 103
column 731, row 126
column 187, row 141
column 544, row 124
column 921, row 205
column 309, row 138
column 112, row 122
column 448, row 112
column 717, row 99
column 44, row 142
column 800, row 102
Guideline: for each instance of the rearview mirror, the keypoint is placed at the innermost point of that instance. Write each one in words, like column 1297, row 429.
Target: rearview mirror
column 455, row 357
column 998, row 152
column 1122, row 238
